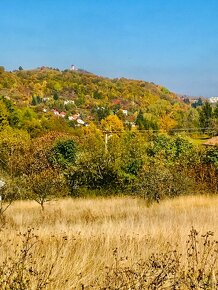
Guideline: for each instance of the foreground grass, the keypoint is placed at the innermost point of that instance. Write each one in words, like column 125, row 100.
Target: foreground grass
column 78, row 240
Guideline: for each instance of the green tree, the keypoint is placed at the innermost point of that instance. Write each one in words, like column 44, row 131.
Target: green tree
column 140, row 120
column 215, row 113
column 4, row 115
column 34, row 101
column 15, row 119
column 63, row 153
column 197, row 103
column 114, row 170
column 101, row 112
column 98, row 95
column 205, row 116
column 56, row 96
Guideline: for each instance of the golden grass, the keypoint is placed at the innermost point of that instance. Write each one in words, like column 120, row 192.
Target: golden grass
column 95, row 227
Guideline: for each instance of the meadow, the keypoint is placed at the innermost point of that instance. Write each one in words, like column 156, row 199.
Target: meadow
column 81, row 243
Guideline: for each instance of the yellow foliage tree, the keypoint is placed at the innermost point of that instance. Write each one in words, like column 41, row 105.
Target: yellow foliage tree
column 167, row 123
column 112, row 123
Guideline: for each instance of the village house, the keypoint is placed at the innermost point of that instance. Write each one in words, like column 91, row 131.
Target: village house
column 80, row 122
column 56, row 113
column 67, row 102
column 70, row 118
column 62, row 114
column 212, row 141
column 125, row 112
column 45, row 99
column 74, row 117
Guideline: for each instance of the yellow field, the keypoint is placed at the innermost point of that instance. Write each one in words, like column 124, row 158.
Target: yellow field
column 79, row 236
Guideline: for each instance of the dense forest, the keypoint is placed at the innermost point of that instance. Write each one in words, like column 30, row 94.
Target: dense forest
column 74, row 133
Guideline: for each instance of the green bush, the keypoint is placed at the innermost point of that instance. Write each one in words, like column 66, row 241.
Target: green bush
column 157, row 182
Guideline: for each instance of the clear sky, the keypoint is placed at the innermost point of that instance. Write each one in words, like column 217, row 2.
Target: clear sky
column 170, row 42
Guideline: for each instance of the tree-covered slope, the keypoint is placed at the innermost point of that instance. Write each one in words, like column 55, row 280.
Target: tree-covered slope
column 94, row 97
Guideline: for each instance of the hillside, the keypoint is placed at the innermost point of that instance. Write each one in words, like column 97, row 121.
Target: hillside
column 93, row 98
column 76, row 84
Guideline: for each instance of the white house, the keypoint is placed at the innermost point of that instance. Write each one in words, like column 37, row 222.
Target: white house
column 80, row 122
column 125, row 112
column 56, row 113
column 71, row 118
column 66, row 102
column 74, row 117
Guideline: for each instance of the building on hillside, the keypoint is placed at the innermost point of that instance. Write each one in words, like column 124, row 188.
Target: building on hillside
column 56, row 113
column 45, row 99
column 70, row 118
column 125, row 112
column 212, row 141
column 213, row 100
column 73, row 117
column 73, row 68
column 62, row 114
column 80, row 122
column 67, row 102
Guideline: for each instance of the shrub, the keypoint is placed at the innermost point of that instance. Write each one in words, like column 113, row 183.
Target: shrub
column 157, row 182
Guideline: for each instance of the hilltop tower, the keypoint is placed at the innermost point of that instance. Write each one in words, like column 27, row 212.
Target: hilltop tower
column 73, row 67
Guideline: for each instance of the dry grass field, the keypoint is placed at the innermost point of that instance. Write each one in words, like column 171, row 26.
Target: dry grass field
column 74, row 241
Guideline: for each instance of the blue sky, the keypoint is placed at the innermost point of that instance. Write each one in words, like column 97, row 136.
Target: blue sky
column 170, row 42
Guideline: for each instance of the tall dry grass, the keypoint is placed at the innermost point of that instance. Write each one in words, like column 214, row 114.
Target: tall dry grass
column 77, row 237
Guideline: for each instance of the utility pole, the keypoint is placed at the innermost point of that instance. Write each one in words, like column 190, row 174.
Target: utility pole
column 106, row 140
column 107, row 136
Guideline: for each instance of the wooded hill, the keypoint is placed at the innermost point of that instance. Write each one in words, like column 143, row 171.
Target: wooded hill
column 94, row 98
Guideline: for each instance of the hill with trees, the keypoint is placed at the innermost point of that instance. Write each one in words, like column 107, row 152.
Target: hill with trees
column 79, row 98
column 94, row 98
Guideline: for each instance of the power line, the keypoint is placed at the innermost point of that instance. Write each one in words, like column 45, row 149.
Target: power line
column 161, row 130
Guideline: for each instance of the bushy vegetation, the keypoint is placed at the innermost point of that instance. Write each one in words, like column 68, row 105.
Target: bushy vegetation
column 150, row 165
